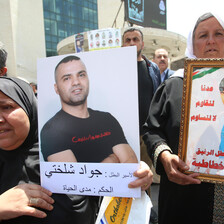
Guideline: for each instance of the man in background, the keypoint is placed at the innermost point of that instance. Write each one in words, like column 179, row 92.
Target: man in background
column 148, row 82
column 34, row 87
column 3, row 57
column 162, row 60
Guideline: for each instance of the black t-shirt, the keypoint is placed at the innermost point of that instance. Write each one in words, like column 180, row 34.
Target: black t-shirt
column 145, row 92
column 90, row 139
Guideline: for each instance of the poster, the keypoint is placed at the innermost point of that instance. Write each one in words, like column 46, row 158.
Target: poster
column 79, row 42
column 111, row 86
column 104, row 39
column 202, row 125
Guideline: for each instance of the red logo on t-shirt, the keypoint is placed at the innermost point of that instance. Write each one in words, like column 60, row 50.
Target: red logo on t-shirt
column 90, row 137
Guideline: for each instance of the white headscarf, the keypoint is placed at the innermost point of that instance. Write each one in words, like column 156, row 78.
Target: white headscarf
column 189, row 50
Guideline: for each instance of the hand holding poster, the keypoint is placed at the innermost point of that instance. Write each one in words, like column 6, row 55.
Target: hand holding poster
column 202, row 132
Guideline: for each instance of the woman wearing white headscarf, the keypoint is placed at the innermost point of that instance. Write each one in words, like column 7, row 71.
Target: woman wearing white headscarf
column 183, row 198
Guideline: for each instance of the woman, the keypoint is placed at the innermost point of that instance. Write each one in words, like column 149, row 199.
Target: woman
column 183, row 198
column 21, row 201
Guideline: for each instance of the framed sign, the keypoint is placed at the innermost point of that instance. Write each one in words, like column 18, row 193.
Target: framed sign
column 201, row 144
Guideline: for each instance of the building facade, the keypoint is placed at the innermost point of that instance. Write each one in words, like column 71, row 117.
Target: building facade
column 22, row 35
column 63, row 18
column 111, row 14
column 32, row 29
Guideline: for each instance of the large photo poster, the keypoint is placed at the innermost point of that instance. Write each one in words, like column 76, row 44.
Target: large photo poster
column 92, row 151
column 203, row 119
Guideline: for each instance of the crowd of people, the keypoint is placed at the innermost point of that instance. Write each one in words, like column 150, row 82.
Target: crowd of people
column 183, row 198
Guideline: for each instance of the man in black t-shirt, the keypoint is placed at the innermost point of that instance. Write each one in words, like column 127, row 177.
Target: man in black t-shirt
column 90, row 139
column 77, row 133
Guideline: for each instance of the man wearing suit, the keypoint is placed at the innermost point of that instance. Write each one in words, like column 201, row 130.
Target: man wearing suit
column 161, row 59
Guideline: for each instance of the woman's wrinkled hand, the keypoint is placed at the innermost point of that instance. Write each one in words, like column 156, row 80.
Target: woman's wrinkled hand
column 174, row 166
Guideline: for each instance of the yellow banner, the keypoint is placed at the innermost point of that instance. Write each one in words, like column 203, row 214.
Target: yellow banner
column 117, row 211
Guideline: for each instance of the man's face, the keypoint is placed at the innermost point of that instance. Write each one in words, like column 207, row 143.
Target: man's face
column 72, row 83
column 161, row 59
column 222, row 96
column 133, row 38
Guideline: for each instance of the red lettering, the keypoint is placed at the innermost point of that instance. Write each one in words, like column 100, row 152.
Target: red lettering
column 90, row 137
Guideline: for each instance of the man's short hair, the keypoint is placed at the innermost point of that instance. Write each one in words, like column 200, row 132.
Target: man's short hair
column 3, row 57
column 65, row 60
column 221, row 85
column 132, row 29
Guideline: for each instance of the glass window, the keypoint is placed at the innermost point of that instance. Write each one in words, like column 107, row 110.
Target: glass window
column 86, row 4
column 46, row 4
column 47, row 26
column 58, row 17
column 74, row 10
column 51, row 5
column 53, row 16
column 66, row 10
column 53, row 27
column 63, row 18
column 46, row 15
column 48, row 38
column 54, row 39
column 58, row 6
column 85, row 14
column 48, row 44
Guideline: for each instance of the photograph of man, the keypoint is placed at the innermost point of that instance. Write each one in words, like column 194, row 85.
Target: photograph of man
column 77, row 133
column 221, row 90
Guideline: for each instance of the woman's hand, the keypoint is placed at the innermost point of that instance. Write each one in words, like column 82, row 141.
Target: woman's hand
column 144, row 175
column 173, row 166
column 25, row 199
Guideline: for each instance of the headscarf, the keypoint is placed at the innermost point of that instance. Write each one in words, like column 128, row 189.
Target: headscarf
column 189, row 50
column 21, row 164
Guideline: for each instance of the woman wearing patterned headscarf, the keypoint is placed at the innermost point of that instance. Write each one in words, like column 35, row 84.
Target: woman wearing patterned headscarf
column 183, row 198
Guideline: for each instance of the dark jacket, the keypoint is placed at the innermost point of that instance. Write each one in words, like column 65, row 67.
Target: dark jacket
column 153, row 72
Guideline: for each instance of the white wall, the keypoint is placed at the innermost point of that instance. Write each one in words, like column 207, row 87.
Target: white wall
column 22, row 33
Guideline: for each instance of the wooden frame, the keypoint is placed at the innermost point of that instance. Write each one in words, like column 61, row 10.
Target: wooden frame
column 202, row 119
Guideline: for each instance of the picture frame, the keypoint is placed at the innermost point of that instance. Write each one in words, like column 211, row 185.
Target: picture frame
column 201, row 140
